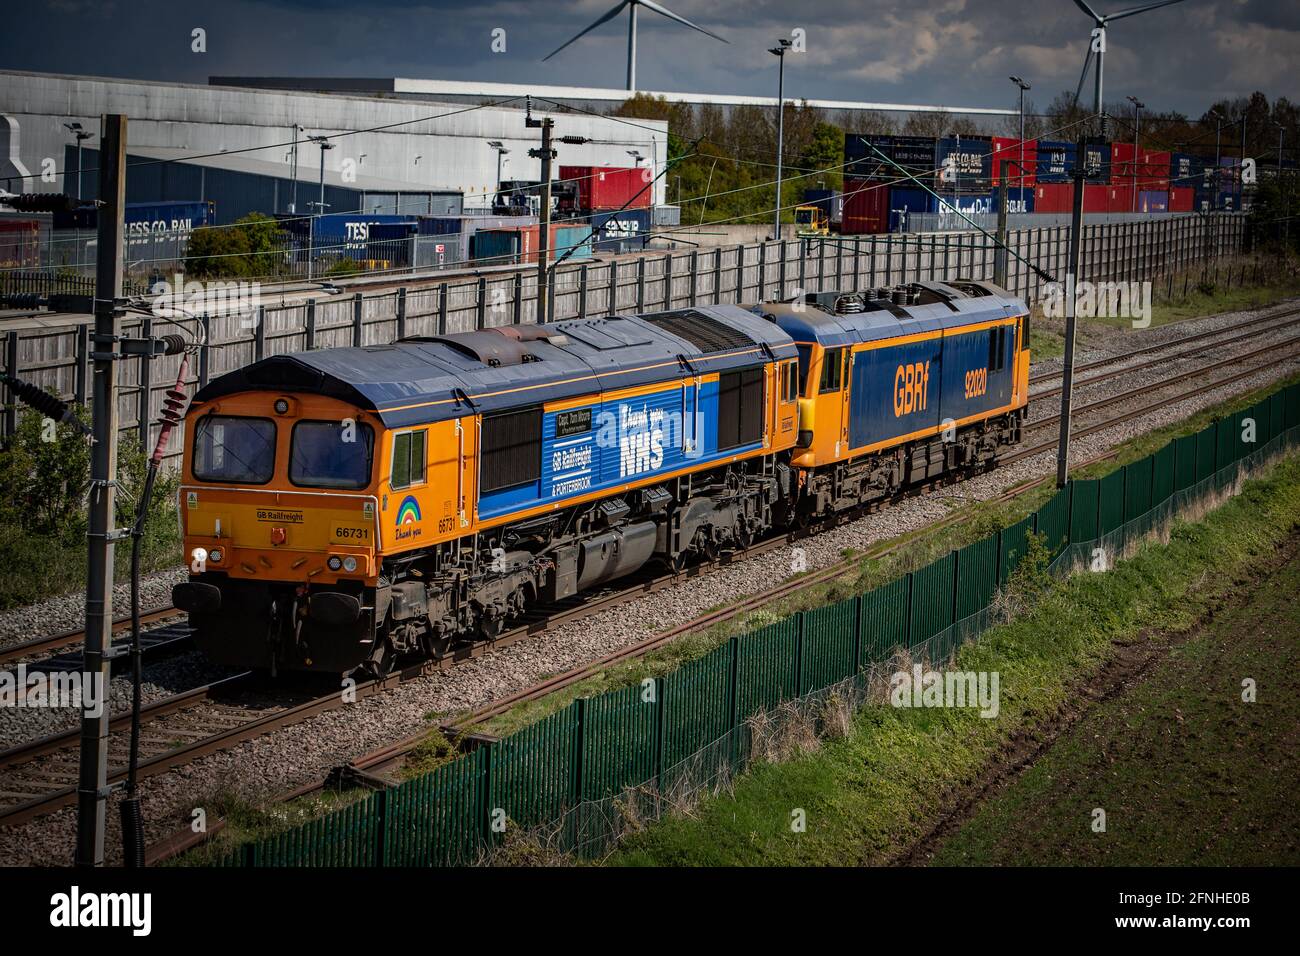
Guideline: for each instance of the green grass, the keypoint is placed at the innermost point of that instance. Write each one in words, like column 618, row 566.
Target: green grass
column 873, row 794
column 1186, row 771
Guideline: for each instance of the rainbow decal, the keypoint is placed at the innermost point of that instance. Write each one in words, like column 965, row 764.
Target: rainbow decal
column 409, row 512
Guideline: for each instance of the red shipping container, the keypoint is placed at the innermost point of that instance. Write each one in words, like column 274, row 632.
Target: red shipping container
column 1122, row 163
column 1154, row 174
column 1054, row 197
column 866, row 206
column 1182, row 199
column 1008, row 148
column 612, row 187
column 1122, row 198
column 1096, row 197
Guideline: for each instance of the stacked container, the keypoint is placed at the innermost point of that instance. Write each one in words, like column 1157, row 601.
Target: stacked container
column 1008, row 149
column 965, row 163
column 611, row 187
column 519, row 244
column 866, row 207
column 622, row 231
column 915, row 154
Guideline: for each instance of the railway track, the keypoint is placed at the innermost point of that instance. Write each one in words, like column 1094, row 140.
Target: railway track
column 39, row 777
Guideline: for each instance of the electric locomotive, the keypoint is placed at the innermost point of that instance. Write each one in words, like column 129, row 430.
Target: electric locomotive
column 347, row 507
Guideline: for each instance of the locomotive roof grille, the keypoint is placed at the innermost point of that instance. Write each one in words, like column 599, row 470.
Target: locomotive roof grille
column 703, row 331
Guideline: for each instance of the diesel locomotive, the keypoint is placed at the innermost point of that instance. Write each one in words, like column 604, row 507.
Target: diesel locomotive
column 347, row 508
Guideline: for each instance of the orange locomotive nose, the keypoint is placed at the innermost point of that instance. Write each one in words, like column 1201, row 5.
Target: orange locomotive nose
column 278, row 536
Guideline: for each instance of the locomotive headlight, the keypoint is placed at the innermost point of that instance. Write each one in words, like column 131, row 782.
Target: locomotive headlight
column 281, row 406
column 215, row 555
column 335, row 562
column 349, row 564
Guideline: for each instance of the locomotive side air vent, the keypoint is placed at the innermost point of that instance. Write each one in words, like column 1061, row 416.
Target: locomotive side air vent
column 702, row 331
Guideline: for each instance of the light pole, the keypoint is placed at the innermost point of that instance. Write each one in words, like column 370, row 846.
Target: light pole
column 501, row 151
column 82, row 134
column 1138, row 107
column 324, row 144
column 1023, row 86
column 1218, row 128
column 293, row 174
column 779, row 52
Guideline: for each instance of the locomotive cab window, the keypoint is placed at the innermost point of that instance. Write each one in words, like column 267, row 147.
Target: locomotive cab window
column 234, row 449
column 510, row 449
column 331, row 454
column 805, row 362
column 997, row 348
column 832, row 371
column 408, row 459
column 789, row 382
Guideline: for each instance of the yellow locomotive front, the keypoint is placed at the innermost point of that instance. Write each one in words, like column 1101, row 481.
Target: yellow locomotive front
column 279, row 511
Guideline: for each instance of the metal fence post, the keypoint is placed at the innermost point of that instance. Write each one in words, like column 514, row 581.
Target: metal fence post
column 518, row 293
column 310, row 330
column 717, row 274
column 579, row 748
column 798, row 653
column 401, row 312
column 640, row 285
column 740, row 272
column 82, row 373
column 259, row 334
column 762, row 271
column 380, row 799
column 668, row 281
column 144, row 387
column 480, row 316
column 358, row 304
column 695, row 275
column 582, row 291
column 443, row 296
column 205, row 325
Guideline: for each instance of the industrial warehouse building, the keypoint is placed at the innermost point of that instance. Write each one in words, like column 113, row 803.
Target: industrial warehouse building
column 232, row 147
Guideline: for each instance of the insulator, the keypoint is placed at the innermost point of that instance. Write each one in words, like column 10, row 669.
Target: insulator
column 39, row 399
column 22, row 300
column 176, row 344
column 42, row 202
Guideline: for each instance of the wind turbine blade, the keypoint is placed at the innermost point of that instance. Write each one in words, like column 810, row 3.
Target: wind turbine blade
column 1142, row 9
column 664, row 11
column 1088, row 10
column 618, row 8
column 1087, row 61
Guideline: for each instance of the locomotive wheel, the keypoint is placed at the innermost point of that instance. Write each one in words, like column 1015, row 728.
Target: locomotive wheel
column 382, row 660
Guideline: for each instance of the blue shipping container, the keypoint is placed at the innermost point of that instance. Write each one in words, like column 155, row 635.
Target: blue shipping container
column 1153, row 201
column 615, row 228
column 965, row 161
column 1055, row 161
column 1185, row 170
column 916, row 154
column 986, row 203
column 147, row 218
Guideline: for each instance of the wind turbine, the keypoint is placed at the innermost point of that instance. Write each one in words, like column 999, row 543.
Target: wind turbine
column 1098, row 45
column 631, row 30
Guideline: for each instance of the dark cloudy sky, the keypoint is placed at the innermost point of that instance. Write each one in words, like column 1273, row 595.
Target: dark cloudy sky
column 953, row 52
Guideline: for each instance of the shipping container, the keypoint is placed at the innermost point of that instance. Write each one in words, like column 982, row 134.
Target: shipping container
column 965, row 162
column 1123, row 198
column 1153, row 170
column 1055, row 162
column 1153, row 200
column 1185, row 170
column 1096, row 160
column 519, row 244
column 611, row 187
column 1123, row 163
column 613, row 228
column 147, row 218
column 1053, row 197
column 1182, row 199
column 459, row 230
column 1097, row 197
column 904, row 202
column 866, row 206
column 1010, row 150
column 986, row 203
column 916, row 154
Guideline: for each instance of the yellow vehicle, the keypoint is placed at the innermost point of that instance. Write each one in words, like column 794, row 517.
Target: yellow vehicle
column 811, row 221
